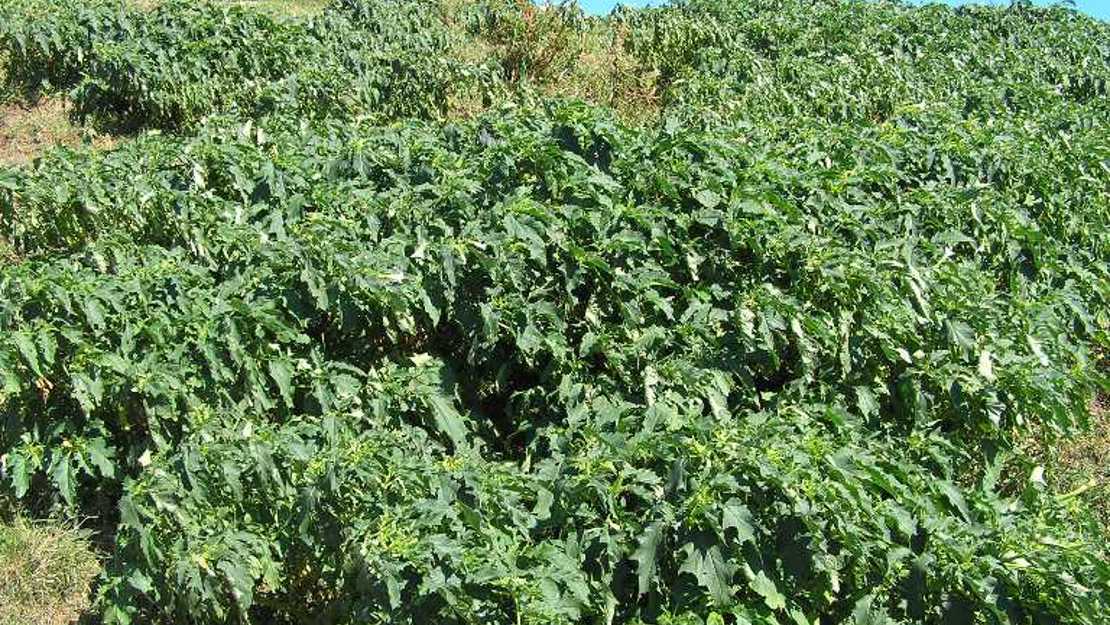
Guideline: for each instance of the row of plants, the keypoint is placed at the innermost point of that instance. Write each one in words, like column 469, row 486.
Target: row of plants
column 768, row 360
column 523, row 301
column 764, row 61
column 171, row 65
column 779, row 63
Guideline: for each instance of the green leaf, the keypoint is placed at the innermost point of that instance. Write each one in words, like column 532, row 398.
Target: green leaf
column 100, row 455
column 241, row 582
column 88, row 390
column 711, row 571
column 129, row 514
column 20, row 473
column 448, row 420
column 645, row 555
column 48, row 347
column 961, row 334
column 954, row 497
column 865, row 613
column 61, row 473
column 865, row 399
column 140, row 582
column 94, row 313
column 26, row 347
column 282, row 373
column 737, row 516
column 231, row 472
column 116, row 615
column 707, row 198
column 393, row 588
column 765, row 588
column 544, row 499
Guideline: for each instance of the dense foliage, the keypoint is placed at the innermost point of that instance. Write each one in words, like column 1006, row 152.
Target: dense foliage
column 762, row 361
column 173, row 64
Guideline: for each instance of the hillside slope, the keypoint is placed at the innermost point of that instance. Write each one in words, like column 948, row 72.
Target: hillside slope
column 405, row 311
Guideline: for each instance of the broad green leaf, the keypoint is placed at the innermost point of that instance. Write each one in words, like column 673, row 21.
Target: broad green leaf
column 20, row 473
column 707, row 198
column 955, row 498
column 100, row 455
column 27, row 349
column 282, row 373
column 711, row 571
column 866, row 613
column 736, row 516
column 241, row 584
column 61, row 473
column 645, row 556
column 765, row 588
column 960, row 334
column 448, row 420
column 141, row 582
column 865, row 399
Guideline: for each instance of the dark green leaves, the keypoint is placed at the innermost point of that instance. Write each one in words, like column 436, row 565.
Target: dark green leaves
column 282, row 373
column 26, row 346
column 737, row 517
column 712, row 571
column 542, row 366
column 646, row 555
column 448, row 420
column 765, row 588
column 141, row 66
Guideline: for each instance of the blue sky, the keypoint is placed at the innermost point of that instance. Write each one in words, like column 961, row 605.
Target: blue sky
column 1098, row 8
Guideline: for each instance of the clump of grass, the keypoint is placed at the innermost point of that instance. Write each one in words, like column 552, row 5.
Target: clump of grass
column 606, row 73
column 293, row 8
column 47, row 571
column 1074, row 465
column 29, row 128
column 1082, row 463
column 549, row 48
column 7, row 93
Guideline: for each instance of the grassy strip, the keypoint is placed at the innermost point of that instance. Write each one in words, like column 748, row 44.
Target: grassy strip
column 47, row 570
column 31, row 125
column 1082, row 467
column 28, row 129
column 1074, row 467
column 284, row 7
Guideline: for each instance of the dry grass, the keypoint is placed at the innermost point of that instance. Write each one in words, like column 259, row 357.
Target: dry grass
column 284, row 7
column 554, row 53
column 1075, row 466
column 46, row 572
column 1084, row 462
column 6, row 88
column 605, row 73
column 29, row 129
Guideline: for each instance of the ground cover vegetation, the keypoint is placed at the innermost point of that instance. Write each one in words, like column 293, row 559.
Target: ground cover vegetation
column 47, row 571
column 382, row 314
